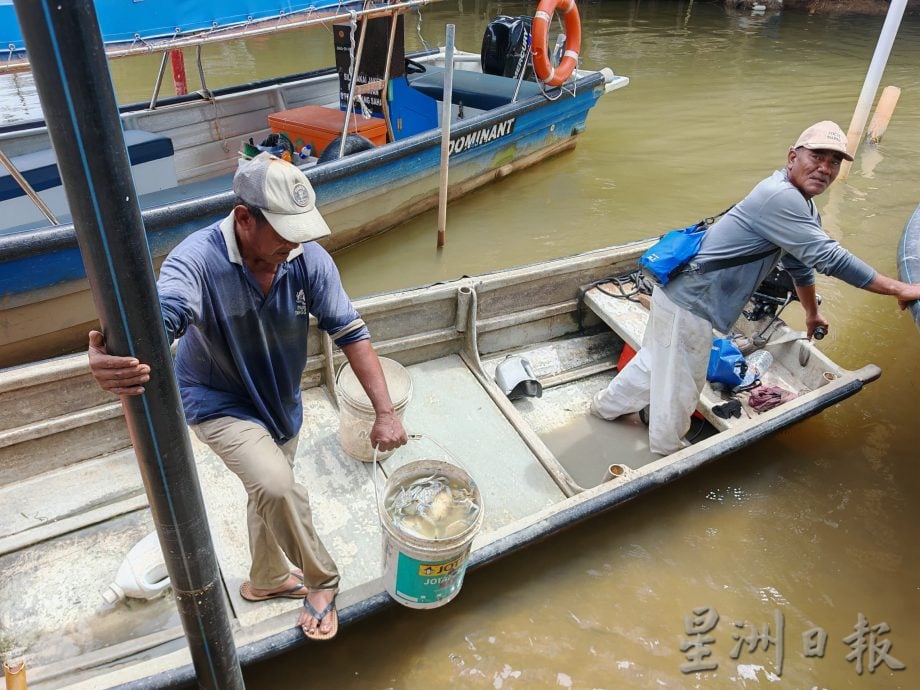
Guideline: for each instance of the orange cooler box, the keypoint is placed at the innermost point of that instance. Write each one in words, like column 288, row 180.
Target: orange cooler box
column 318, row 126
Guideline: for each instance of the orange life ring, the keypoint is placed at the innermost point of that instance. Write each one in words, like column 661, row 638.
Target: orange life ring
column 540, row 34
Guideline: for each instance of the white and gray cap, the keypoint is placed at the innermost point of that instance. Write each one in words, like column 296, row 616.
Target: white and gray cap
column 284, row 195
column 824, row 136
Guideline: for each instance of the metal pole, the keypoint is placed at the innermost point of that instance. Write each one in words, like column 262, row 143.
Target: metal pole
column 384, row 101
column 178, row 66
column 79, row 105
column 446, row 109
column 355, row 67
column 159, row 81
column 873, row 78
column 27, row 188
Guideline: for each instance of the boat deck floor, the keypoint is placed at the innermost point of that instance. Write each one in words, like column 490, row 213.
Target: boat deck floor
column 57, row 583
column 458, row 422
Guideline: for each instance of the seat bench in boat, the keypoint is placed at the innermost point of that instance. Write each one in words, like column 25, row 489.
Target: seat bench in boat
column 152, row 165
column 472, row 89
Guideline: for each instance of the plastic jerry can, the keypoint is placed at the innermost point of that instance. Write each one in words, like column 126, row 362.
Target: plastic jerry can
column 142, row 575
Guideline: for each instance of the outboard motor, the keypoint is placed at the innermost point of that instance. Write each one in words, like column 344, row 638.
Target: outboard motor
column 506, row 47
column 772, row 295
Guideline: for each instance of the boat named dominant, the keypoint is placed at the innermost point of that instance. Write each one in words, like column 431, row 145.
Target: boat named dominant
column 481, row 136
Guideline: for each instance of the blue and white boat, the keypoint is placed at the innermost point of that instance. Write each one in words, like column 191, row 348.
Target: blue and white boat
column 135, row 21
column 184, row 151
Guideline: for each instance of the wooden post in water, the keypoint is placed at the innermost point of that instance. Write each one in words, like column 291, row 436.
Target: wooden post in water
column 873, row 78
column 883, row 112
column 78, row 101
column 445, row 131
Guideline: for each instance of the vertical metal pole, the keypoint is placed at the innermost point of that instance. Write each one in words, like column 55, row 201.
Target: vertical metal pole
column 384, row 101
column 78, row 101
column 178, row 66
column 355, row 68
column 873, row 78
column 447, row 107
column 159, row 81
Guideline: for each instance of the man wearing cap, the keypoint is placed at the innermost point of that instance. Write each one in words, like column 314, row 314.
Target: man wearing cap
column 778, row 219
column 241, row 292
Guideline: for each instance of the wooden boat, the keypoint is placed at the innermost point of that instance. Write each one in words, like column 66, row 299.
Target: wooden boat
column 909, row 258
column 185, row 149
column 72, row 502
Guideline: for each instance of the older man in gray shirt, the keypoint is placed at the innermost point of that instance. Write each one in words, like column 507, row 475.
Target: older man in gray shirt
column 669, row 372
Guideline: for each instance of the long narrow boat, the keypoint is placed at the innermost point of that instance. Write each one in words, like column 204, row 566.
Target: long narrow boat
column 185, row 149
column 72, row 502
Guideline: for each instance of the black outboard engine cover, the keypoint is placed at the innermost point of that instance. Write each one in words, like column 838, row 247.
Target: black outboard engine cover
column 775, row 292
column 506, row 47
column 777, row 285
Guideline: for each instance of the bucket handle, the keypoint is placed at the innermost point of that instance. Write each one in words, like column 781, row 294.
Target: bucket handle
column 338, row 372
column 412, row 437
column 377, row 465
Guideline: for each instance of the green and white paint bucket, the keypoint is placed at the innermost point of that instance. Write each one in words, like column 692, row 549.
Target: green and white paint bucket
column 424, row 573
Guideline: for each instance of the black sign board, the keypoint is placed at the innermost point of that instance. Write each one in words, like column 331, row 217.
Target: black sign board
column 373, row 57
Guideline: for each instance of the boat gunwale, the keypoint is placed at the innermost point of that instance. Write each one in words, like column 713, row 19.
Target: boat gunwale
column 909, row 258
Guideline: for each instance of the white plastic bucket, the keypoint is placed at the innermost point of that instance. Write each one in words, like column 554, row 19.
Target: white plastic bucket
column 425, row 573
column 356, row 414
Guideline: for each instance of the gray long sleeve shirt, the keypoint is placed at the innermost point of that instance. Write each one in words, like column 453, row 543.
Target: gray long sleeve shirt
column 774, row 214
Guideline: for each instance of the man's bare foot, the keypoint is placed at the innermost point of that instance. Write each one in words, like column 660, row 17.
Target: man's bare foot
column 319, row 600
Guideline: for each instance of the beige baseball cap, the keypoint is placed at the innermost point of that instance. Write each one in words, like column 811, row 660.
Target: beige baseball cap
column 284, row 195
column 824, row 135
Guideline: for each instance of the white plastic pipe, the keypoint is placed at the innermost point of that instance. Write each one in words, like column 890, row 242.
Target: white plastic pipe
column 873, row 78
column 446, row 109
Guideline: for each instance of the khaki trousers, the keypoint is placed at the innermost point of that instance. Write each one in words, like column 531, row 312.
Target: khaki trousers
column 278, row 511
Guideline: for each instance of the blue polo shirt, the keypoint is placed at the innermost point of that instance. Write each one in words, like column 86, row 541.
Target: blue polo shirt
column 242, row 353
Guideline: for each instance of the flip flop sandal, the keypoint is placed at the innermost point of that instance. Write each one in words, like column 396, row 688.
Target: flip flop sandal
column 298, row 591
column 330, row 611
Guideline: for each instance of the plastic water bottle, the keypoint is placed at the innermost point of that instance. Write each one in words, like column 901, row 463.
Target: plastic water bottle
column 759, row 361
column 142, row 574
column 757, row 364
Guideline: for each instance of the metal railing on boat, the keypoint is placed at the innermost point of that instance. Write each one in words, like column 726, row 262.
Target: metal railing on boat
column 234, row 32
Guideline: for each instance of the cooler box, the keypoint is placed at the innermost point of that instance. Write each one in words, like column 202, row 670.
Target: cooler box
column 318, row 126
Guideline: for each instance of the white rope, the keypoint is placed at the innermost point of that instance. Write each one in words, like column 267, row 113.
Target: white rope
column 418, row 29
